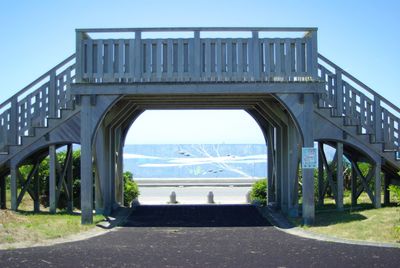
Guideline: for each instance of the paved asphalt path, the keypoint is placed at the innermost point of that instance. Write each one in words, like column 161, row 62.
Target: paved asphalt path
column 199, row 236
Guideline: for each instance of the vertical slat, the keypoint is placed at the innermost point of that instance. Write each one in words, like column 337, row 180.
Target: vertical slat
column 137, row 60
column 267, row 58
column 159, row 57
column 131, row 60
column 170, row 67
column 339, row 93
column 121, row 57
column 240, row 60
column 278, row 63
column 256, row 56
column 148, row 60
column 219, row 65
column 52, row 95
column 52, row 179
column 385, row 126
column 377, row 115
column 89, row 55
column 207, row 56
column 299, row 70
column 197, row 56
column 230, row 58
column 100, row 66
column 288, row 59
column 180, row 59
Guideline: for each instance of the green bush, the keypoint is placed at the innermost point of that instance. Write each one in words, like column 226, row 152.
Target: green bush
column 395, row 191
column 131, row 189
column 259, row 192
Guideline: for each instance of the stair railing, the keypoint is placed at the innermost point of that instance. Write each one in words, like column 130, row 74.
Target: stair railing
column 348, row 97
column 31, row 106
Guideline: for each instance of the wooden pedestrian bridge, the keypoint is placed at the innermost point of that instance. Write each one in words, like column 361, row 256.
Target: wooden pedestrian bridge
column 296, row 95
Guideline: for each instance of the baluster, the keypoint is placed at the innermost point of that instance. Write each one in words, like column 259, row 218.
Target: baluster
column 180, row 60
column 100, row 67
column 52, row 101
column 121, row 71
column 377, row 115
column 240, row 60
column 13, row 132
column 137, row 60
column 256, row 66
column 170, row 66
column 219, row 53
column 299, row 58
column 89, row 59
column 278, row 64
column 339, row 93
column 230, row 59
column 197, row 56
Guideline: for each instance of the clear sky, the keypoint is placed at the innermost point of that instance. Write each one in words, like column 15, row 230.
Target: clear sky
column 361, row 36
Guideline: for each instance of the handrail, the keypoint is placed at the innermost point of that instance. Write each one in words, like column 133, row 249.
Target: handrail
column 201, row 29
column 25, row 89
column 361, row 84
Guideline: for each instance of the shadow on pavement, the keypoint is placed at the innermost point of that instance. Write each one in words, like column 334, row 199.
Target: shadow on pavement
column 195, row 216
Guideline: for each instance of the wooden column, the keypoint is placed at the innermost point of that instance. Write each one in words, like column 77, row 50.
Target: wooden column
column 308, row 174
column 320, row 174
column 378, row 184
column 52, row 179
column 86, row 161
column 353, row 185
column 386, row 192
column 13, row 186
column 3, row 192
column 70, row 183
column 36, row 191
column 339, row 176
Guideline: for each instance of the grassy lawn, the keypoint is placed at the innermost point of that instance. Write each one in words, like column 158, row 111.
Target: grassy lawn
column 25, row 226
column 362, row 222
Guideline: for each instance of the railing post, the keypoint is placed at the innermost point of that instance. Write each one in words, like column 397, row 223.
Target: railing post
column 197, row 56
column 79, row 56
column 377, row 119
column 137, row 56
column 314, row 48
column 256, row 56
column 339, row 93
column 13, row 132
column 52, row 102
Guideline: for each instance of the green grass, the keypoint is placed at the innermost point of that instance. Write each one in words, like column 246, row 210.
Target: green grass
column 361, row 222
column 26, row 226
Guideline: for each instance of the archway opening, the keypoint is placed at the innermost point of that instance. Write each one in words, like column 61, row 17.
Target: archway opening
column 194, row 153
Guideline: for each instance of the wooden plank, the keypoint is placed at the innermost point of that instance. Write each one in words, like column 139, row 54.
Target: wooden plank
column 170, row 67
column 159, row 65
column 89, row 59
column 278, row 57
column 299, row 69
column 137, row 59
column 131, row 59
column 100, row 59
column 240, row 60
column 207, row 57
column 121, row 70
column 197, row 56
column 231, row 58
column 256, row 59
column 220, row 65
column 180, row 59
column 148, row 70
column 288, row 59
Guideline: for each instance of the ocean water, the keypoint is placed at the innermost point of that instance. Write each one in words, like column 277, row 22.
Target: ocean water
column 196, row 161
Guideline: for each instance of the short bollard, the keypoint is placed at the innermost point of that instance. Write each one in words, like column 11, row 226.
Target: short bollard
column 172, row 198
column 210, row 198
column 248, row 200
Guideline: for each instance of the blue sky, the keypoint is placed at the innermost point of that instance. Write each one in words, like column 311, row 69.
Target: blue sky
column 360, row 36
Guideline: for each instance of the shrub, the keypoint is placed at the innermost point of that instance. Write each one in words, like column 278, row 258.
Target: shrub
column 259, row 192
column 395, row 191
column 131, row 189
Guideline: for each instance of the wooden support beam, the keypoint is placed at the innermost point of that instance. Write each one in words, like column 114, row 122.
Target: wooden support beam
column 13, row 186
column 25, row 184
column 378, row 184
column 52, row 179
column 386, row 192
column 69, row 188
column 36, row 190
column 354, row 196
column 321, row 192
column 339, row 176
column 364, row 182
column 3, row 192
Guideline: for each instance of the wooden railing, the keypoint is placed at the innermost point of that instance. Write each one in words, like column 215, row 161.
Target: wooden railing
column 31, row 106
column 196, row 59
column 359, row 105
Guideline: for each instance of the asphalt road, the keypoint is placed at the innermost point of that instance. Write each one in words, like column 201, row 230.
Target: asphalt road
column 200, row 236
